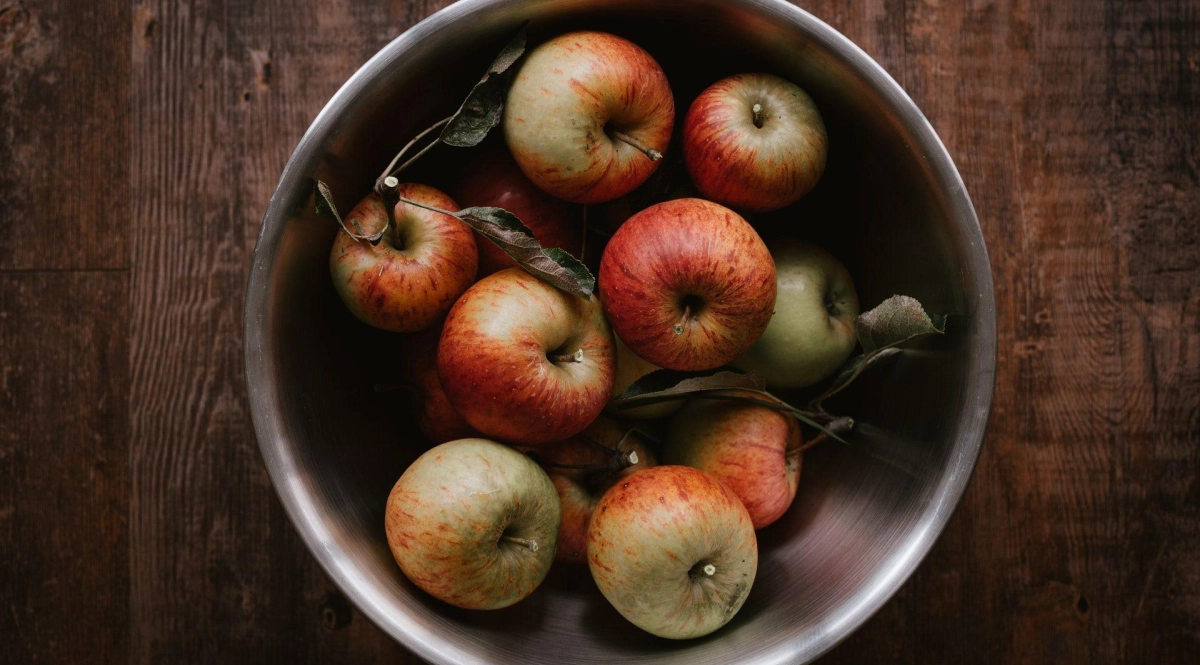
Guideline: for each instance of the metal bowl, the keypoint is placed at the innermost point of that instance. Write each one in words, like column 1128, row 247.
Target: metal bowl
column 891, row 205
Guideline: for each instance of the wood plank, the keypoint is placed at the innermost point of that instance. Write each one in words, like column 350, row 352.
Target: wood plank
column 1151, row 536
column 64, row 134
column 64, row 467
column 1074, row 128
column 223, row 91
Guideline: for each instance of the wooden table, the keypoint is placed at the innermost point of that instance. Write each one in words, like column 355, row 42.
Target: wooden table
column 140, row 141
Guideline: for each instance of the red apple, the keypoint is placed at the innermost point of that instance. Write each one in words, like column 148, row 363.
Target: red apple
column 588, row 116
column 754, row 142
column 525, row 362
column 687, row 284
column 474, row 523
column 753, row 450
column 493, row 179
column 412, row 277
column 613, row 452
column 673, row 550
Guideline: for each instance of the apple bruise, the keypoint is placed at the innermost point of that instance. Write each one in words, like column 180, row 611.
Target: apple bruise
column 752, row 450
column 525, row 362
column 571, row 100
column 473, row 523
column 495, row 180
column 687, row 284
column 420, row 266
column 755, row 142
column 673, row 550
column 579, row 490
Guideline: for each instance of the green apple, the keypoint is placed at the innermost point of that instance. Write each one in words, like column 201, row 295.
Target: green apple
column 812, row 332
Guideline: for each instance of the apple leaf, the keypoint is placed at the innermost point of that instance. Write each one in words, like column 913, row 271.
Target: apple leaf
column 665, row 385
column 553, row 266
column 897, row 320
column 325, row 207
column 484, row 106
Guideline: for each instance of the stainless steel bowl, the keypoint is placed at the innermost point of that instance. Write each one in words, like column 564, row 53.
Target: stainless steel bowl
column 892, row 205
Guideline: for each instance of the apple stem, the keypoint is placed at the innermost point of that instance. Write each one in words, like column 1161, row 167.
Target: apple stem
column 524, row 542
column 710, row 570
column 805, row 446
column 683, row 320
column 392, row 165
column 758, row 115
column 576, row 357
column 653, row 154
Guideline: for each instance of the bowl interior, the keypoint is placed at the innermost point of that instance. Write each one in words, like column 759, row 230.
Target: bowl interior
column 890, row 205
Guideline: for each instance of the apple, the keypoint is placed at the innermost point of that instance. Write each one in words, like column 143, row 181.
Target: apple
column 612, row 452
column 474, row 523
column 812, row 333
column 588, row 116
column 524, row 362
column 630, row 368
column 754, row 142
column 436, row 418
column 411, row 278
column 687, row 284
column 493, row 179
column 753, row 450
column 673, row 550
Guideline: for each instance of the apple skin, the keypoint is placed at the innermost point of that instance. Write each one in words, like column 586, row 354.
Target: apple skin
column 580, row 490
column 447, row 517
column 693, row 264
column 494, row 179
column 754, row 168
column 652, row 536
column 812, row 333
column 436, row 418
column 630, row 368
column 493, row 359
column 753, row 450
column 409, row 289
column 568, row 95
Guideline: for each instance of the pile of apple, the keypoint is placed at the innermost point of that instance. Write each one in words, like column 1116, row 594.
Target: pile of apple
column 515, row 373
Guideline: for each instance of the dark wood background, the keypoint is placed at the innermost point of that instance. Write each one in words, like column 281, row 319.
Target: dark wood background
column 140, row 141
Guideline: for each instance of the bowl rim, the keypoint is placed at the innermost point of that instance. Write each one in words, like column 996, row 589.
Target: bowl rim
column 298, row 498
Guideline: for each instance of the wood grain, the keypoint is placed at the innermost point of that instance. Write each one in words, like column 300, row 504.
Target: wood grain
column 64, row 134
column 64, row 467
column 221, row 93
column 149, row 134
column 1074, row 127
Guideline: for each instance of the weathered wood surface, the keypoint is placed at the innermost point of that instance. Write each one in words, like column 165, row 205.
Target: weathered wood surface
column 140, row 141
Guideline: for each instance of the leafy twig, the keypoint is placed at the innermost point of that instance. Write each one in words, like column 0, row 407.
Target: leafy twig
column 326, row 207
column 392, row 165
column 897, row 320
column 553, row 265
column 720, row 384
